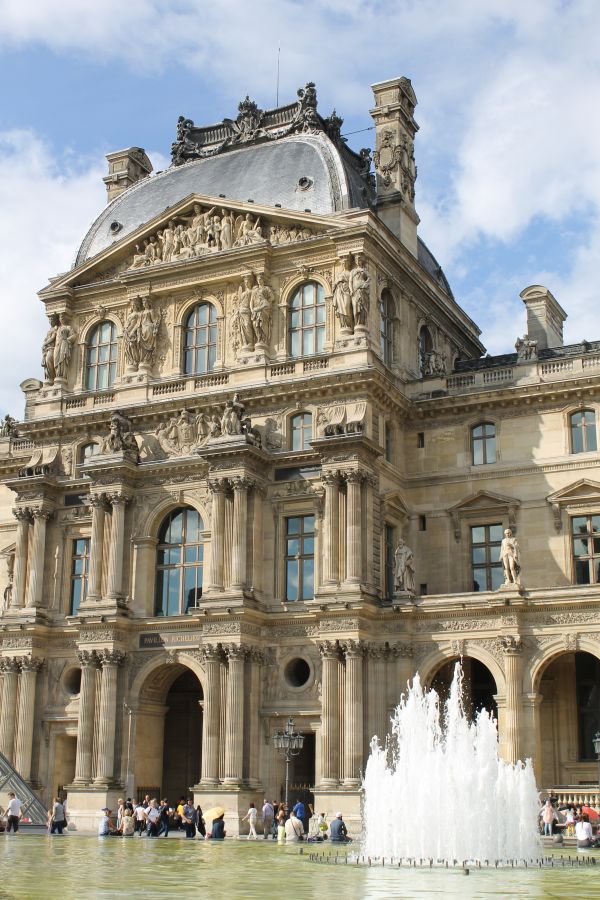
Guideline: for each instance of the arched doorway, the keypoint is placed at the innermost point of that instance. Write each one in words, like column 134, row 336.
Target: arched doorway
column 169, row 733
column 479, row 685
column 569, row 717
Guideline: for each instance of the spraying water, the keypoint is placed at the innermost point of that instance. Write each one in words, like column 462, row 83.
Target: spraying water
column 441, row 792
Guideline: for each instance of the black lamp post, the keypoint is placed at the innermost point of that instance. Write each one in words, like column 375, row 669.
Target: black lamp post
column 289, row 743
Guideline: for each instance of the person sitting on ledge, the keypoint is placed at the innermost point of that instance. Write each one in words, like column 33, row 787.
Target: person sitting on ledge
column 218, row 829
column 583, row 833
column 338, row 833
column 106, row 827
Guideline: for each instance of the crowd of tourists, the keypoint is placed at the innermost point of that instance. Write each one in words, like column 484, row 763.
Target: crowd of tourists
column 570, row 820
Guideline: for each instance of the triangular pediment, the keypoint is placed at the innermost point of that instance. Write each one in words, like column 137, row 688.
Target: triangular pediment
column 395, row 502
column 580, row 491
column 196, row 229
column 483, row 500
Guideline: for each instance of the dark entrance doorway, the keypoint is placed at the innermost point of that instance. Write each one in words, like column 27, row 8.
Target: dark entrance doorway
column 302, row 774
column 182, row 755
column 479, row 686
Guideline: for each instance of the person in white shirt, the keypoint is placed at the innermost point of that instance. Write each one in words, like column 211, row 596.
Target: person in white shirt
column 104, row 828
column 152, row 816
column 251, row 817
column 140, row 818
column 583, row 832
column 13, row 813
column 294, row 830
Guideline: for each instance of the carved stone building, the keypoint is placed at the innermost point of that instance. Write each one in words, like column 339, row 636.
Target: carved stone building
column 257, row 382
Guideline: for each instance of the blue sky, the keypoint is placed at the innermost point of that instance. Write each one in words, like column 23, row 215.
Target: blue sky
column 508, row 152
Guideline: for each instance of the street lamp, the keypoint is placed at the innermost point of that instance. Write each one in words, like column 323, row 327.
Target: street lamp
column 289, row 743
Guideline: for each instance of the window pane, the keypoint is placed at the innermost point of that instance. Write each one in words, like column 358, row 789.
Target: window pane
column 309, row 523
column 309, row 546
column 490, row 450
column 579, row 525
column 174, row 577
column 293, row 547
column 576, row 435
column 580, row 547
column 292, row 580
column 295, row 343
column 478, row 556
column 307, row 579
column 479, row 580
column 477, row 453
column 293, row 526
column 308, row 343
column 497, row 577
column 76, row 586
column 478, row 534
column 582, row 572
column 496, row 533
column 595, row 520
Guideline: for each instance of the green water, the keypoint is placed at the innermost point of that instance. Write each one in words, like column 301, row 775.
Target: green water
column 58, row 868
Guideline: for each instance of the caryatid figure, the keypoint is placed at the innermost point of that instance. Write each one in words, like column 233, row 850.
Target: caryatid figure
column 48, row 349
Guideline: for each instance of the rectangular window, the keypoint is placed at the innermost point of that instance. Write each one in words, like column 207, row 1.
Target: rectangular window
column 80, row 559
column 585, row 544
column 420, row 439
column 389, row 443
column 299, row 558
column 423, row 590
column 389, row 561
column 485, row 557
column 422, row 523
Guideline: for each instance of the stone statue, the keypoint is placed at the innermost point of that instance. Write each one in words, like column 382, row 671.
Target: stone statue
column 227, row 226
column 214, row 428
column 526, row 348
column 434, row 363
column 120, row 439
column 261, row 311
column 148, row 333
column 510, row 557
column 8, row 427
column 273, row 437
column 63, row 347
column 131, row 334
column 359, row 283
column 241, row 321
column 247, row 231
column 342, row 299
column 48, row 350
column 404, row 568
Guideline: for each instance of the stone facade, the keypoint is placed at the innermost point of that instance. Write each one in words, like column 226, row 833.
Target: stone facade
column 245, row 409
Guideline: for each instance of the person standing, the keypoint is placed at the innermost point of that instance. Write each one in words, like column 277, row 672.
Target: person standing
column 200, row 823
column 140, row 818
column 13, row 813
column 299, row 811
column 251, row 817
column 268, row 814
column 189, row 818
column 163, row 822
column 281, row 824
column 152, row 818
column 57, row 818
column 548, row 817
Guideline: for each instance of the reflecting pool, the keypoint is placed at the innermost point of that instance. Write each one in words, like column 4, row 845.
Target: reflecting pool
column 38, row 866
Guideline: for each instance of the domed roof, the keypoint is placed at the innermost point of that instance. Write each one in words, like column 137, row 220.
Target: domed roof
column 300, row 172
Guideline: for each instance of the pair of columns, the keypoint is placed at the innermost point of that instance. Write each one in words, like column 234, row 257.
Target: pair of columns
column 220, row 488
column 100, row 503
column 333, row 481
column 17, row 711
column 28, row 572
column 347, row 683
column 103, row 723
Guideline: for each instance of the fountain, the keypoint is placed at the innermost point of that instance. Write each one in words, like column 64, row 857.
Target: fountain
column 438, row 793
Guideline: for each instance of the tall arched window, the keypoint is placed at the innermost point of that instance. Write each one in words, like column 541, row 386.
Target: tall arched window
column 179, row 563
column 385, row 326
column 301, row 431
column 200, row 340
column 483, row 444
column 583, row 431
column 307, row 320
column 101, row 358
column 425, row 348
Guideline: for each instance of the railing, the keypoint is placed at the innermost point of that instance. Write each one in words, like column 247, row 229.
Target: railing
column 207, row 381
column 495, row 376
column 283, row 369
column 315, row 365
column 556, row 367
column 169, row 387
column 22, row 444
column 578, row 794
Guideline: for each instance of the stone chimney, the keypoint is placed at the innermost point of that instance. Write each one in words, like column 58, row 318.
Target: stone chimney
column 545, row 316
column 125, row 167
column 394, row 158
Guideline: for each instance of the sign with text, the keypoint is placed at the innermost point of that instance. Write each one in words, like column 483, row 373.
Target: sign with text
column 154, row 639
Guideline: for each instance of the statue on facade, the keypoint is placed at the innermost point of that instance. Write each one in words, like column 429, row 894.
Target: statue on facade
column 149, row 325
column 247, row 231
column 359, row 283
column 526, row 348
column 120, row 439
column 231, row 420
column 305, row 118
column 8, row 427
column 433, row 363
column 63, row 347
column 261, row 302
column 242, row 329
column 48, row 345
column 131, row 334
column 342, row 298
column 404, row 569
column 510, row 557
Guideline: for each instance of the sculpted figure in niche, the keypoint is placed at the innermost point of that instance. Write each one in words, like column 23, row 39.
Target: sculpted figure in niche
column 261, row 304
column 404, row 568
column 131, row 334
column 510, row 557
column 148, row 334
column 241, row 321
column 359, row 283
column 342, row 298
column 48, row 345
column 63, row 348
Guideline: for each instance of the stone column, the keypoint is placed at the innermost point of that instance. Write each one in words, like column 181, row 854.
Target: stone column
column 256, row 660
column 513, row 649
column 331, row 559
column 8, row 709
column 239, row 553
column 23, row 517
column 35, row 585
column 330, row 653
column 114, row 586
column 85, row 724
column 25, row 716
column 377, row 694
column 234, row 729
column 218, row 487
column 110, row 661
column 98, row 505
column 353, row 714
column 353, row 528
column 212, row 715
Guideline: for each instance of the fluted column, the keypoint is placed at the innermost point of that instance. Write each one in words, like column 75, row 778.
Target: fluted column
column 256, row 659
column 8, row 710
column 218, row 487
column 513, row 649
column 234, row 729
column 98, row 505
column 239, row 553
column 107, row 717
column 85, row 724
column 353, row 713
column 25, row 716
column 353, row 527
column 331, row 558
column 377, row 694
column 114, row 586
column 35, row 581
column 23, row 517
column 212, row 714
column 330, row 654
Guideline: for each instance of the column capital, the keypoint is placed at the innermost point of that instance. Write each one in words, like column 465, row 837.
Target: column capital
column 331, row 478
column 110, row 658
column 211, row 652
column 353, row 649
column 402, row 651
column 377, row 651
column 511, row 644
column 218, row 485
column 22, row 514
column 235, row 652
column 242, row 483
column 88, row 658
column 41, row 513
column 117, row 498
column 355, row 476
column 30, row 664
column 9, row 665
column 329, row 649
column 96, row 501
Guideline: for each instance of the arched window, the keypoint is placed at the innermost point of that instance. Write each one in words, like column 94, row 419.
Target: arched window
column 200, row 340
column 101, row 361
column 583, row 431
column 386, row 326
column 483, row 444
column 425, row 347
column 307, row 320
column 180, row 558
column 301, row 430
column 87, row 451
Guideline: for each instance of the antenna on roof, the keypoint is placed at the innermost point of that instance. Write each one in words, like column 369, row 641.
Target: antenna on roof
column 278, row 55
